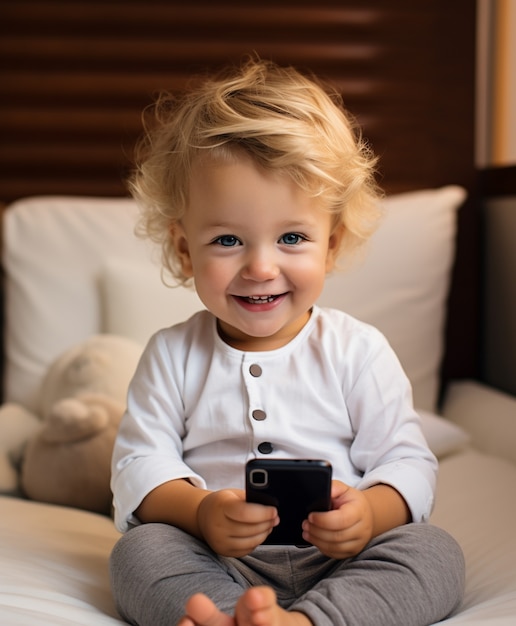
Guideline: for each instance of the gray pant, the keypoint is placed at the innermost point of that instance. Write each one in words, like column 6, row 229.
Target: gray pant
column 410, row 576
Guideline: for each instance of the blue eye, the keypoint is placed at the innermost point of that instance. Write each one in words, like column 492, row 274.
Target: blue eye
column 227, row 241
column 291, row 239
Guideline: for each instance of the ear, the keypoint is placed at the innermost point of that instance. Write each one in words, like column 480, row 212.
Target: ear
column 180, row 243
column 334, row 244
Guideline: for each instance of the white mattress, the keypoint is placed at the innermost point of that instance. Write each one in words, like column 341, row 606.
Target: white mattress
column 55, row 560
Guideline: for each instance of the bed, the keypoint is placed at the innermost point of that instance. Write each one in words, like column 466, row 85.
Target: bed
column 54, row 559
column 73, row 268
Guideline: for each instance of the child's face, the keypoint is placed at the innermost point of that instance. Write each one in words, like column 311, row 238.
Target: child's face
column 258, row 248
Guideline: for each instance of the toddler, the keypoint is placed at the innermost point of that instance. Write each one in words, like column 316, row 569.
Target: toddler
column 253, row 185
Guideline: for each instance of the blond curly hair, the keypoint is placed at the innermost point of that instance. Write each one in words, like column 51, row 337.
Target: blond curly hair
column 286, row 122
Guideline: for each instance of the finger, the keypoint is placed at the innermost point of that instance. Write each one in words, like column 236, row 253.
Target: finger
column 340, row 544
column 319, row 535
column 336, row 531
column 332, row 520
column 237, row 531
column 241, row 546
column 344, row 550
column 341, row 497
column 338, row 487
column 249, row 513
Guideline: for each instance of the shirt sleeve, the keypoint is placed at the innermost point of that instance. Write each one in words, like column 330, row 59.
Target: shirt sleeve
column 148, row 449
column 389, row 446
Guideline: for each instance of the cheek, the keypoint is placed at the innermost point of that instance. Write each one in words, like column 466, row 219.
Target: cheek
column 212, row 274
column 311, row 267
column 311, row 275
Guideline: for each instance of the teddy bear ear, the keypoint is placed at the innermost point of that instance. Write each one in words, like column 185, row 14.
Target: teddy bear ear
column 73, row 420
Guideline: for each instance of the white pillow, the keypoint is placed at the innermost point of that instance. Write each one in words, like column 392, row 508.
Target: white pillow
column 401, row 285
column 53, row 247
column 443, row 437
column 136, row 303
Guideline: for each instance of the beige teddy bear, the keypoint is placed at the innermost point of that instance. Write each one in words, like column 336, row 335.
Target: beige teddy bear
column 81, row 402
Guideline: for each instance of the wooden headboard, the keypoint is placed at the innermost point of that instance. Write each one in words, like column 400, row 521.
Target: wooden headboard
column 76, row 76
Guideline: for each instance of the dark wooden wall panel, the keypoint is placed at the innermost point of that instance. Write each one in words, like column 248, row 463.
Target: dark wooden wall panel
column 76, row 74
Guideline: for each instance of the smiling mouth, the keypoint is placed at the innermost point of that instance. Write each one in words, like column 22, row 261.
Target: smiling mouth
column 260, row 299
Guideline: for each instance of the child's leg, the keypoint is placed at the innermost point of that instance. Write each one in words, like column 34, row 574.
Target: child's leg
column 156, row 568
column 410, row 576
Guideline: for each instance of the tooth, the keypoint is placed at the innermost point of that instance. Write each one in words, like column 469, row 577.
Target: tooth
column 260, row 298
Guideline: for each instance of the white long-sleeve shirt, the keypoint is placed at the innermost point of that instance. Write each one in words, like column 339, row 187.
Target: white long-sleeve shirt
column 200, row 409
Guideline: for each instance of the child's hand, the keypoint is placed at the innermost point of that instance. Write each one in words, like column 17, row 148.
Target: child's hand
column 345, row 530
column 356, row 518
column 231, row 526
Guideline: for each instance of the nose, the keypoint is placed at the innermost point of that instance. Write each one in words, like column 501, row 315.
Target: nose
column 260, row 265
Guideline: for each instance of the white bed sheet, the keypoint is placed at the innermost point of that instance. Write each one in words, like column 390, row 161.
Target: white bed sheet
column 55, row 560
column 476, row 503
column 54, row 565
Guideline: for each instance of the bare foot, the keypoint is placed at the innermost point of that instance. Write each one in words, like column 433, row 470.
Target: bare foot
column 256, row 607
column 200, row 611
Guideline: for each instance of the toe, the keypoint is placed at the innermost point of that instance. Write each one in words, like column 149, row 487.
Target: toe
column 203, row 612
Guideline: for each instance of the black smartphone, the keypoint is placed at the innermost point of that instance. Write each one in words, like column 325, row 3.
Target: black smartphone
column 296, row 487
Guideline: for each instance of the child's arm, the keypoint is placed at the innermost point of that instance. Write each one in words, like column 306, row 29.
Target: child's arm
column 388, row 508
column 356, row 518
column 223, row 519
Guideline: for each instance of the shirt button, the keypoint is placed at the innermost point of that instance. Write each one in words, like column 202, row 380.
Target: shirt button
column 259, row 415
column 255, row 370
column 265, row 447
